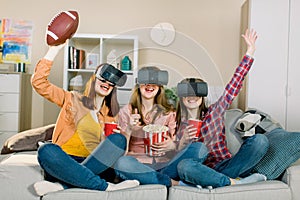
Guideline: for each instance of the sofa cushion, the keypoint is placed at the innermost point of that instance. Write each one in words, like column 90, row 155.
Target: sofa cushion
column 16, row 181
column 27, row 140
column 144, row 192
column 4, row 136
column 283, row 151
column 275, row 190
column 292, row 178
column 28, row 158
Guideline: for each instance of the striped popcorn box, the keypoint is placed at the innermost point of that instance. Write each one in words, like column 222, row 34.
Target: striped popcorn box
column 154, row 134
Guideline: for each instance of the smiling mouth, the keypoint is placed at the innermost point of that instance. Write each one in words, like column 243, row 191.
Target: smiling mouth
column 149, row 89
column 192, row 100
column 104, row 87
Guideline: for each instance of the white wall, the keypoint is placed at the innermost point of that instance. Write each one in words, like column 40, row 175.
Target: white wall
column 213, row 25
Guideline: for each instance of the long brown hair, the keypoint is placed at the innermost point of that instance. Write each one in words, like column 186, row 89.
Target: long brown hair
column 160, row 100
column 181, row 111
column 89, row 96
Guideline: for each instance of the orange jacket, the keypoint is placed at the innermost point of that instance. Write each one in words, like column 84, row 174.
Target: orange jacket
column 72, row 109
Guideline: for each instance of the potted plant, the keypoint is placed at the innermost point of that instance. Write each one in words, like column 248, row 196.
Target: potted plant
column 171, row 96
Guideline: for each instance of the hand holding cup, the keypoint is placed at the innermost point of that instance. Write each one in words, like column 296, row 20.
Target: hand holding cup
column 110, row 128
column 196, row 124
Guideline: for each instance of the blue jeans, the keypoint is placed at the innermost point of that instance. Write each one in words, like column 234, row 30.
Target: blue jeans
column 71, row 173
column 128, row 167
column 240, row 165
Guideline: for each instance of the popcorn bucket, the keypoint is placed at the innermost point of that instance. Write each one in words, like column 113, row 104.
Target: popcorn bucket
column 154, row 134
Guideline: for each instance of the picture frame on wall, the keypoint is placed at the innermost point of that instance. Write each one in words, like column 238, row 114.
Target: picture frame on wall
column 92, row 60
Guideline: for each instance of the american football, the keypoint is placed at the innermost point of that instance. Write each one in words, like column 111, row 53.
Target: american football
column 62, row 27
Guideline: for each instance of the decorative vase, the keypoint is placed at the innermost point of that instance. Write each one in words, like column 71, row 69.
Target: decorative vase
column 126, row 63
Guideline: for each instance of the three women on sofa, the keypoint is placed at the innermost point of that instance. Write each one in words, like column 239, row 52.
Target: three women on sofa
column 206, row 162
column 77, row 156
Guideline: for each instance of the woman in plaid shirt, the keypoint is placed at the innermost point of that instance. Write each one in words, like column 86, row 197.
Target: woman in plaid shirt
column 220, row 167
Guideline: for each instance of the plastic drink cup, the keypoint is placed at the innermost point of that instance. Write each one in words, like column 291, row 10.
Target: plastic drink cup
column 196, row 124
column 109, row 127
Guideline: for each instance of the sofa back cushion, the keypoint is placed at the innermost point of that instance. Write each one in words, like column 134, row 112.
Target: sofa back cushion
column 27, row 140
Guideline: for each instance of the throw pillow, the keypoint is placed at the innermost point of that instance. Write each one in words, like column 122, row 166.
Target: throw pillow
column 233, row 138
column 27, row 140
column 284, row 150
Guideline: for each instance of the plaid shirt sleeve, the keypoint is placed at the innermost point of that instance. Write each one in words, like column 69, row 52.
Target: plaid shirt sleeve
column 233, row 88
column 213, row 128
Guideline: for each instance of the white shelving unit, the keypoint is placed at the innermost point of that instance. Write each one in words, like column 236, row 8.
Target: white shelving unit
column 102, row 45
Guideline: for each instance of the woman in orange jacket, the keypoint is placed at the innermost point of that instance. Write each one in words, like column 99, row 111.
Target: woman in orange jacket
column 77, row 156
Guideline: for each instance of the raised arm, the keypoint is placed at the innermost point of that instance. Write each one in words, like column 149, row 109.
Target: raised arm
column 39, row 79
column 232, row 89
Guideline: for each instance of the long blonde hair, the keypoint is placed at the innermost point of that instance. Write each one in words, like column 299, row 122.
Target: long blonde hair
column 160, row 100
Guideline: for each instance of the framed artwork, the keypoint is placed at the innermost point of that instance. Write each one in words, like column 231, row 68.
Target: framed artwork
column 92, row 60
column 15, row 40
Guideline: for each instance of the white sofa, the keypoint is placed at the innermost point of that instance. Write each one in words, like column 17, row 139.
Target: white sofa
column 18, row 172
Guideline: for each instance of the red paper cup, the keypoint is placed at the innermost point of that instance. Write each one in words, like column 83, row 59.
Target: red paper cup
column 109, row 127
column 197, row 124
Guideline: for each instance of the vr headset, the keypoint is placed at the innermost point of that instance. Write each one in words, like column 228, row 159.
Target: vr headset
column 198, row 89
column 112, row 74
column 152, row 75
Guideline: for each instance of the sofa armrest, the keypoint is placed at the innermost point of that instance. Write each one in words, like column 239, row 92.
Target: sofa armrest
column 292, row 178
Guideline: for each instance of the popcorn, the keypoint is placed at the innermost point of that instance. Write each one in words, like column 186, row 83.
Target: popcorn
column 155, row 128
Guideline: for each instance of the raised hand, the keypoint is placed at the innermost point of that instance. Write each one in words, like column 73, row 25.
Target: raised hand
column 135, row 118
column 250, row 38
column 53, row 51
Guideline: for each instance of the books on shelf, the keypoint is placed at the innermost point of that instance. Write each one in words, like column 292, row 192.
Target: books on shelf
column 76, row 58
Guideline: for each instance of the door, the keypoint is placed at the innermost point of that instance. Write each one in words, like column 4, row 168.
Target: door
column 267, row 80
column 293, row 94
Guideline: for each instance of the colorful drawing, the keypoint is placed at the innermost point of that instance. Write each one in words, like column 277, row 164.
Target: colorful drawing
column 15, row 40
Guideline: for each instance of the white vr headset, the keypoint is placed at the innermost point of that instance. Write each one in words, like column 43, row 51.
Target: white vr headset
column 198, row 89
column 152, row 75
